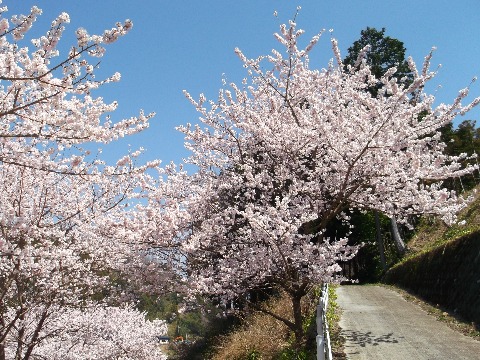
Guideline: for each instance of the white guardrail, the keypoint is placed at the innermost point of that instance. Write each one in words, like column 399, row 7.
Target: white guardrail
column 324, row 349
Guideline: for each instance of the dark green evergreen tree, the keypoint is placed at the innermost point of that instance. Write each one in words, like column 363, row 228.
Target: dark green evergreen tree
column 384, row 53
column 464, row 139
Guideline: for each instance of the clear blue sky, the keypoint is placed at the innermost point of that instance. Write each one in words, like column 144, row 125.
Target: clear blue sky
column 177, row 45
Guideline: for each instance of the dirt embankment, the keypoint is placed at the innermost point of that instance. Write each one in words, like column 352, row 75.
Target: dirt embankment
column 448, row 275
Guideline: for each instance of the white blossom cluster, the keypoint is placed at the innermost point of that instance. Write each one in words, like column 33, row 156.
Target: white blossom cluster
column 47, row 101
column 90, row 334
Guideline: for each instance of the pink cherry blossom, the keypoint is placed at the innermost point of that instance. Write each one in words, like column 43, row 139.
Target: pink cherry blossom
column 70, row 225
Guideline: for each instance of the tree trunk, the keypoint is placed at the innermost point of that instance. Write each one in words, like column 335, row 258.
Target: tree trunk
column 297, row 315
column 400, row 245
column 381, row 248
column 20, row 342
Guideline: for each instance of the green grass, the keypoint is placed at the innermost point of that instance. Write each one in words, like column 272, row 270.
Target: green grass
column 333, row 317
column 432, row 232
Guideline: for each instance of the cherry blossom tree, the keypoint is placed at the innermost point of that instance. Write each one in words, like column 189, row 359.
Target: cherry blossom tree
column 290, row 149
column 94, row 333
column 75, row 232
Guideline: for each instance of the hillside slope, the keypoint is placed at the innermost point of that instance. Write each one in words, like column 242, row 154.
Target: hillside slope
column 443, row 266
column 431, row 232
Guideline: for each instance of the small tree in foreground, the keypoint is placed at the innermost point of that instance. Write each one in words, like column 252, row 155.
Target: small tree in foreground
column 94, row 333
column 293, row 146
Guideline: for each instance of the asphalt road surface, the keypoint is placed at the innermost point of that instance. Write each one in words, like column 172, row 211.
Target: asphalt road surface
column 379, row 323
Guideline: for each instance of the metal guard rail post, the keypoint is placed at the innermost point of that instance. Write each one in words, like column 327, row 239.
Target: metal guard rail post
column 324, row 349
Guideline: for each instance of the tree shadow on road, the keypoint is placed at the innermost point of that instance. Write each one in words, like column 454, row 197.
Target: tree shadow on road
column 363, row 339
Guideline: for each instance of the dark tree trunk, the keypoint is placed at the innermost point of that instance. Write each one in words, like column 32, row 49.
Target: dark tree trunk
column 381, row 247
column 297, row 315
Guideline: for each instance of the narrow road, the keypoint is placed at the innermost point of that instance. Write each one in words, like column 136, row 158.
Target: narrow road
column 379, row 323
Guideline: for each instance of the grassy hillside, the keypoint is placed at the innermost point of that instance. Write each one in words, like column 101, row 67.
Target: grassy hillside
column 432, row 232
column 262, row 337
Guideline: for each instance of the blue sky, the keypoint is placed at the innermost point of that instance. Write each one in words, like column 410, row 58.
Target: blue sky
column 177, row 45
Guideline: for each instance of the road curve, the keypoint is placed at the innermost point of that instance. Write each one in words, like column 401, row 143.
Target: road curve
column 379, row 323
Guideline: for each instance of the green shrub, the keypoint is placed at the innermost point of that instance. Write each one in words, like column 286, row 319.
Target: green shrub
column 254, row 355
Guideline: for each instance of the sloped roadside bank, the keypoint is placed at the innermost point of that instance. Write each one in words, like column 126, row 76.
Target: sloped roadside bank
column 448, row 275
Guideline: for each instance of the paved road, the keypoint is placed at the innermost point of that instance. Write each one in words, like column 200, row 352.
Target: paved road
column 379, row 324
